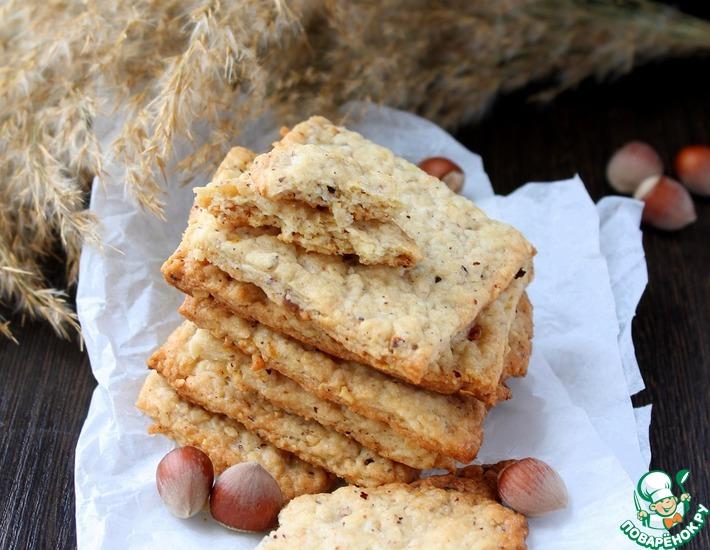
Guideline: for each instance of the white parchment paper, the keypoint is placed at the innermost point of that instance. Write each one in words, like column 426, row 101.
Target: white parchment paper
column 572, row 410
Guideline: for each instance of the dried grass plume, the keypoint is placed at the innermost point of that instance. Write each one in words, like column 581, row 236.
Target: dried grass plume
column 173, row 64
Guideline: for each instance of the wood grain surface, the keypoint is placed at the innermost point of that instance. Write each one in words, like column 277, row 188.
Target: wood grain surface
column 46, row 384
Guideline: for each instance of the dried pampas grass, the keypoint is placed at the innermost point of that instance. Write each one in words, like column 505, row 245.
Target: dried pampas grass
column 172, row 64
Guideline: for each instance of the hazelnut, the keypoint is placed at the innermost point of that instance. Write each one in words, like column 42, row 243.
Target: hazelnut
column 667, row 204
column 692, row 164
column 531, row 487
column 246, row 498
column 184, row 478
column 446, row 170
column 632, row 164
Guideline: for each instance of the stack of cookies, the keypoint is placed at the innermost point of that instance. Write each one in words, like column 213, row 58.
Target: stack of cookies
column 348, row 316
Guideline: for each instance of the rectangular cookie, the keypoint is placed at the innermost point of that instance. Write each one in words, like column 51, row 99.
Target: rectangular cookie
column 284, row 393
column 197, row 366
column 224, row 440
column 231, row 197
column 442, row 512
column 479, row 359
column 446, row 425
column 390, row 318
column 474, row 367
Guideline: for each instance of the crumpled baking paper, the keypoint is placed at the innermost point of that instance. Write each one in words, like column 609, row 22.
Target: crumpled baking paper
column 572, row 410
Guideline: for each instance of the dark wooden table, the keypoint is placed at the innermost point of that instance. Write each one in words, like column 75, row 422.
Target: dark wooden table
column 46, row 384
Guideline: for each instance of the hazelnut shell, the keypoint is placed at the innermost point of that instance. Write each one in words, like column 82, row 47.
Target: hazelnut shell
column 184, row 478
column 446, row 170
column 531, row 487
column 667, row 204
column 246, row 498
column 692, row 164
column 632, row 164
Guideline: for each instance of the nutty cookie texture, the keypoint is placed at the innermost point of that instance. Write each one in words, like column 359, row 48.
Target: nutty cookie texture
column 390, row 318
column 224, row 440
column 476, row 366
column 443, row 512
column 196, row 365
column 285, row 393
column 447, row 425
column 324, row 226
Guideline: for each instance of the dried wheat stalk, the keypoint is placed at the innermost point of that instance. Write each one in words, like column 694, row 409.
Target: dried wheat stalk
column 172, row 64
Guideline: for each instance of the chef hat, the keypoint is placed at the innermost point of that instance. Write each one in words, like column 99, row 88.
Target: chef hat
column 655, row 486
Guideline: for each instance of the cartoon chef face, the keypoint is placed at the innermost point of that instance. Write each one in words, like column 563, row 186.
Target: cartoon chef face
column 665, row 507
